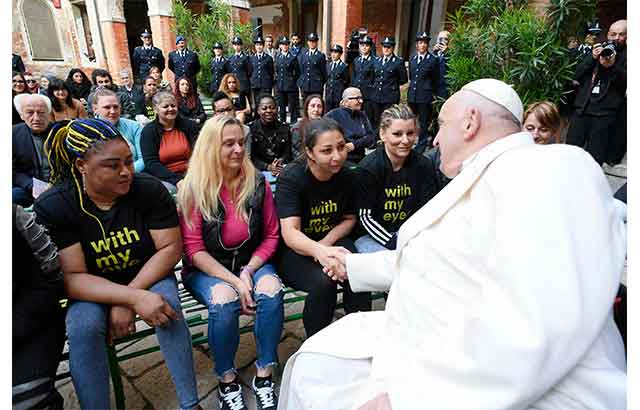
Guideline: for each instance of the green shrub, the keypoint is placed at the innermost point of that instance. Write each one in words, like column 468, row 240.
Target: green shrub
column 202, row 31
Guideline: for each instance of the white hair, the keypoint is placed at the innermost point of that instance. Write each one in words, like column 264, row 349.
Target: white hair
column 21, row 100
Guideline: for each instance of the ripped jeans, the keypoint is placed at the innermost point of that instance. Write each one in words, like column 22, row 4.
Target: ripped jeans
column 224, row 331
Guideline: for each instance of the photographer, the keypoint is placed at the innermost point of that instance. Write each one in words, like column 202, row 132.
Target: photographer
column 440, row 51
column 600, row 96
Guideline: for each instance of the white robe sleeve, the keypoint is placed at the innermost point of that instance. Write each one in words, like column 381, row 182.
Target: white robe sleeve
column 371, row 272
column 553, row 274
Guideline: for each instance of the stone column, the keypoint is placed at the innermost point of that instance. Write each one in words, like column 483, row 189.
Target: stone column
column 114, row 36
column 345, row 16
column 162, row 23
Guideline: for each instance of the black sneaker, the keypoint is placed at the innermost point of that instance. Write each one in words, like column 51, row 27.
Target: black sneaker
column 266, row 398
column 230, row 397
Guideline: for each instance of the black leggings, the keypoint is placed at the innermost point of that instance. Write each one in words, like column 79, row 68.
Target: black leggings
column 303, row 273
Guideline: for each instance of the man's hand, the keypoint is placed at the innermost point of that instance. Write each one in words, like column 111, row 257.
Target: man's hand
column 334, row 262
column 153, row 309
column 380, row 402
column 607, row 62
column 122, row 322
column 350, row 146
column 596, row 50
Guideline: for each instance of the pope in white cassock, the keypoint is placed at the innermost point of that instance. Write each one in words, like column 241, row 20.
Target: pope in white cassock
column 501, row 287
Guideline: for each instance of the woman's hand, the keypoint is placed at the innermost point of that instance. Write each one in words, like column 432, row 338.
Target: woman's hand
column 244, row 287
column 350, row 146
column 330, row 258
column 122, row 322
column 153, row 309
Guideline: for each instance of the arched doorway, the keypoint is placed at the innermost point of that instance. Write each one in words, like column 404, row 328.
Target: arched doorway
column 136, row 13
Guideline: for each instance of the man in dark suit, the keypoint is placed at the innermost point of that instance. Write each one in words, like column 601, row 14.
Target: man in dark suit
column 287, row 72
column 219, row 67
column 31, row 168
column 390, row 74
column 313, row 68
column 239, row 65
column 337, row 79
column 261, row 72
column 296, row 45
column 363, row 74
column 184, row 62
column 145, row 56
column 424, row 75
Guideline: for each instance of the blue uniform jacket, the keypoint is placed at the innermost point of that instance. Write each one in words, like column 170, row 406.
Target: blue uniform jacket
column 423, row 79
column 357, row 129
column 287, row 72
column 218, row 70
column 313, row 71
column 144, row 58
column 337, row 81
column 363, row 75
column 388, row 79
column 239, row 65
column 261, row 71
column 187, row 66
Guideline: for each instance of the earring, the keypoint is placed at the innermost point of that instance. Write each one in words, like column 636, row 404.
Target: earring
column 84, row 183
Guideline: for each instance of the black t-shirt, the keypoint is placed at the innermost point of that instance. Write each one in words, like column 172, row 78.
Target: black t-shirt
column 126, row 225
column 321, row 205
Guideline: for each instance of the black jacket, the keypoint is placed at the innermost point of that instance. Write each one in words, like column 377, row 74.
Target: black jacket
column 378, row 209
column 239, row 65
column 313, row 71
column 261, row 71
column 17, row 64
column 363, row 75
column 187, row 66
column 388, row 79
column 24, row 160
column 236, row 258
column 287, row 72
column 150, row 145
column 196, row 112
column 269, row 143
column 337, row 81
column 144, row 58
column 218, row 70
column 612, row 85
column 423, row 79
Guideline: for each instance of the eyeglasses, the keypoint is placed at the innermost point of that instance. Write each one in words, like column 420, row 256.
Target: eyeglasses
column 355, row 98
column 31, row 81
column 223, row 110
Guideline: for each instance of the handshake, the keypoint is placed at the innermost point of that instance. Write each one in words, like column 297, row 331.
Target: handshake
column 333, row 261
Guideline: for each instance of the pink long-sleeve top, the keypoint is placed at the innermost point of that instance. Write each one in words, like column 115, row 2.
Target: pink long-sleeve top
column 234, row 229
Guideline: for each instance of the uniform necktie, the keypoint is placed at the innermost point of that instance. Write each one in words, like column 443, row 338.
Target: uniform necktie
column 333, row 66
column 419, row 59
column 384, row 61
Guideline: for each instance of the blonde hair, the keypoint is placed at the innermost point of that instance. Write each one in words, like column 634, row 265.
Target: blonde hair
column 396, row 112
column 548, row 115
column 203, row 181
column 223, row 83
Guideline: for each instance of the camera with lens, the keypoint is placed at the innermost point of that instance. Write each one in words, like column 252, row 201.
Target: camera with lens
column 608, row 49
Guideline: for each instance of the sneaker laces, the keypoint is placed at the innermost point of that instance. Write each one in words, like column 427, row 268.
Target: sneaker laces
column 266, row 395
column 233, row 399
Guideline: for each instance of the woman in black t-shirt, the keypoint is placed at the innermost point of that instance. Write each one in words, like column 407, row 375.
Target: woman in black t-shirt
column 118, row 238
column 316, row 209
column 395, row 181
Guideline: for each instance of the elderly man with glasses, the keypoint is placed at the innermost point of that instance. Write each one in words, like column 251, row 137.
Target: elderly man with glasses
column 358, row 131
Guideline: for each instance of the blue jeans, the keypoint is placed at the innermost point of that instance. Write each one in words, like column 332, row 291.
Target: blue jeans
column 87, row 330
column 366, row 244
column 224, row 332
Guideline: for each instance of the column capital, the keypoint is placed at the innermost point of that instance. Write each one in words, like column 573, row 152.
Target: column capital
column 111, row 11
column 160, row 8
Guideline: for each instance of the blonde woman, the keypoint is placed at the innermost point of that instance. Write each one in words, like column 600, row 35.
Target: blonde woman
column 230, row 232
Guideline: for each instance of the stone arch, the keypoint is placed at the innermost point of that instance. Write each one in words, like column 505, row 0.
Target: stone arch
column 41, row 30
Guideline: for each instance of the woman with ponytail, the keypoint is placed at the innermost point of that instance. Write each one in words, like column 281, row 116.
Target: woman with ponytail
column 118, row 238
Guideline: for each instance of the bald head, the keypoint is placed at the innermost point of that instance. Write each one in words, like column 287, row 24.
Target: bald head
column 618, row 33
column 468, row 122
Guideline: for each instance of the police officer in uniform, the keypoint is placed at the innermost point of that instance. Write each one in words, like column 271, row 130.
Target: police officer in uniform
column 219, row 67
column 261, row 71
column 239, row 65
column 145, row 56
column 337, row 79
column 390, row 74
column 313, row 68
column 184, row 62
column 287, row 73
column 363, row 75
column 424, row 75
column 295, row 45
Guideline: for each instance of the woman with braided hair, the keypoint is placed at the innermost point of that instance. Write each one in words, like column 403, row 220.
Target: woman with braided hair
column 118, row 237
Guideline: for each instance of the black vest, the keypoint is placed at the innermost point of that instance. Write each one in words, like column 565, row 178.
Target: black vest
column 235, row 258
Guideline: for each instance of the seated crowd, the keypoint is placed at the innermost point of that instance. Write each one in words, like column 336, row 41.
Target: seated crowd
column 101, row 163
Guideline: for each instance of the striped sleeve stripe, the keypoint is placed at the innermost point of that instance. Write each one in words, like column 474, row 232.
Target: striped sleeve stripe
column 374, row 229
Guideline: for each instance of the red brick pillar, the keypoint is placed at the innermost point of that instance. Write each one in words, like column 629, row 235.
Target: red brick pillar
column 162, row 22
column 116, row 47
column 345, row 16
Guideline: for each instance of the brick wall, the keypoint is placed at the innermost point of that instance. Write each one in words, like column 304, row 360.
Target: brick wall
column 379, row 16
column 345, row 15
